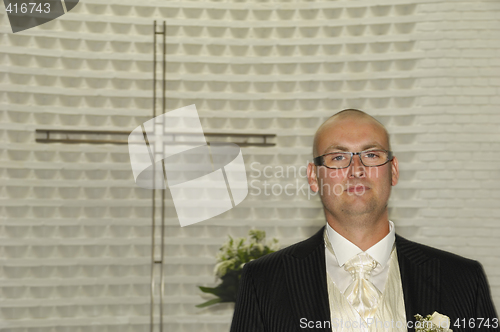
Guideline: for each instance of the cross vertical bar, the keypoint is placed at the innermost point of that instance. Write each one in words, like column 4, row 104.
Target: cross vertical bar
column 152, row 304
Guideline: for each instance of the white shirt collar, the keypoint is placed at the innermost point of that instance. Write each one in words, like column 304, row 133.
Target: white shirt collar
column 345, row 250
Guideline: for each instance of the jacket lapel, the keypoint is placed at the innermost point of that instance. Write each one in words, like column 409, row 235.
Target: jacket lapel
column 420, row 279
column 306, row 280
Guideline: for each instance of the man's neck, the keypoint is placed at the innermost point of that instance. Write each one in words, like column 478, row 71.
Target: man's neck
column 363, row 233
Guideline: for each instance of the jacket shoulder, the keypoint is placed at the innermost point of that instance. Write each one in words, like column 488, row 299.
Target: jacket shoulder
column 414, row 250
column 273, row 261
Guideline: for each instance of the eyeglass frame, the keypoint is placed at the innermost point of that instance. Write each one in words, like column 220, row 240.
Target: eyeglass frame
column 320, row 161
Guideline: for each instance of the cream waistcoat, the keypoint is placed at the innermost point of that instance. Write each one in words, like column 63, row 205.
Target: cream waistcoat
column 390, row 315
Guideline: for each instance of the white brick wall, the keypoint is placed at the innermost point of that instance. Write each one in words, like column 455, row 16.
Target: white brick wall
column 459, row 78
column 75, row 230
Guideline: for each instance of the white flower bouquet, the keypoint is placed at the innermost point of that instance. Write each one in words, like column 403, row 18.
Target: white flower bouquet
column 232, row 256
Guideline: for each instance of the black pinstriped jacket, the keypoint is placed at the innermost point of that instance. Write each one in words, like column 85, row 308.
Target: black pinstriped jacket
column 280, row 289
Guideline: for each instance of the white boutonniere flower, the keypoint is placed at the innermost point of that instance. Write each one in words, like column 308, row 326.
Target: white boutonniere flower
column 432, row 323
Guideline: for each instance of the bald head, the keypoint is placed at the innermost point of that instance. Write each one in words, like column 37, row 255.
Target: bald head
column 347, row 114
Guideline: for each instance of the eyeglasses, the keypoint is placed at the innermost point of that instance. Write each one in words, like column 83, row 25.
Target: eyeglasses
column 370, row 158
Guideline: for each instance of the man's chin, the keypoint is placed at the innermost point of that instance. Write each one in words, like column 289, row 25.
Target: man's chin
column 358, row 205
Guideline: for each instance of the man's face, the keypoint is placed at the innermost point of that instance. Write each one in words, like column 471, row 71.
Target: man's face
column 356, row 190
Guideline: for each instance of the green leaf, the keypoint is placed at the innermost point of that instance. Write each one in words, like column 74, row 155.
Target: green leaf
column 209, row 290
column 209, row 303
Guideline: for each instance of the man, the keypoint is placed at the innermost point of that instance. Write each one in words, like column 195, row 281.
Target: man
column 356, row 274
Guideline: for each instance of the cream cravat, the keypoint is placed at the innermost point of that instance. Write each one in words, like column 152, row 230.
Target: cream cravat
column 361, row 293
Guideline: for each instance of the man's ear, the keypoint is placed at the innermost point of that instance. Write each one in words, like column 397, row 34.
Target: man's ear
column 311, row 177
column 395, row 171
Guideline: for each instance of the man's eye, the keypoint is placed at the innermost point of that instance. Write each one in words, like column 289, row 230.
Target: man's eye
column 337, row 157
column 372, row 155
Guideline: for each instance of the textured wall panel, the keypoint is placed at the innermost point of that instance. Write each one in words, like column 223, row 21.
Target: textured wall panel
column 75, row 231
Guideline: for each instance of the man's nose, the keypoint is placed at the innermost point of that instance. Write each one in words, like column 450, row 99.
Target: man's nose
column 356, row 169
